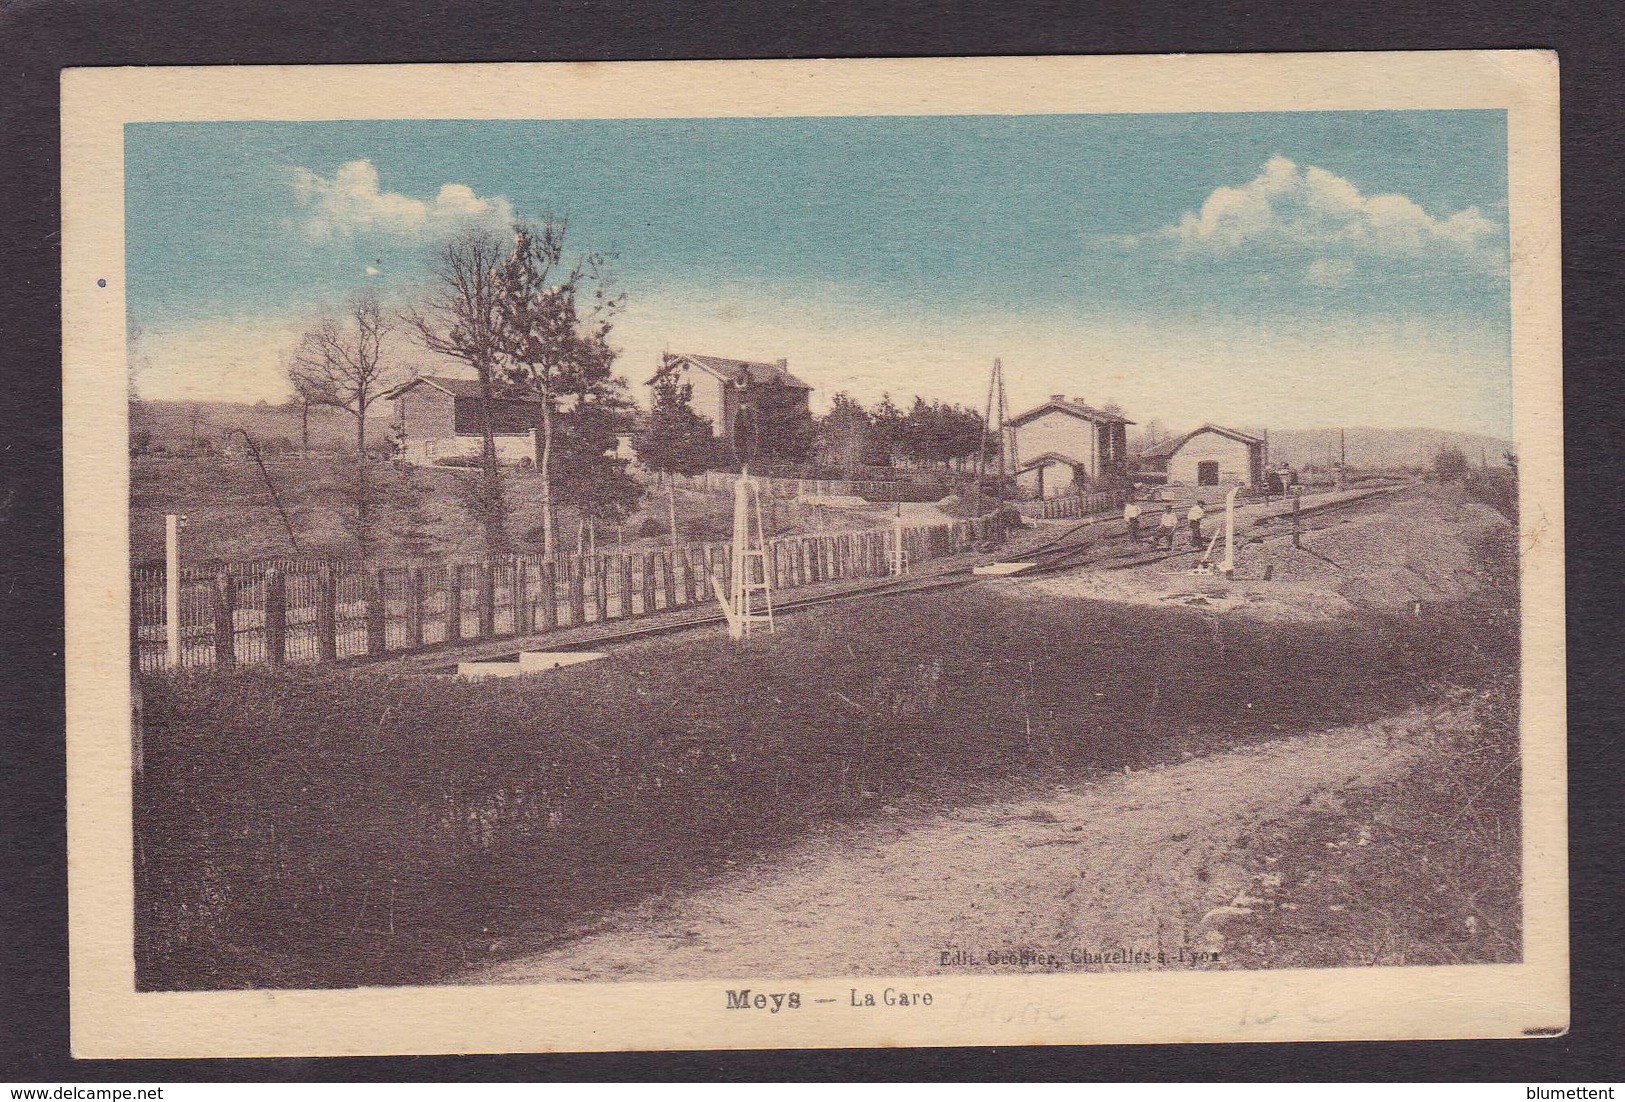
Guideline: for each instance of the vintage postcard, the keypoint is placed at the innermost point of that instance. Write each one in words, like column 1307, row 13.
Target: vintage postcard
column 821, row 553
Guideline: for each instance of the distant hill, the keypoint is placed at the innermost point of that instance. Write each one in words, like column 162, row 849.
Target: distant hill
column 172, row 424
column 1368, row 447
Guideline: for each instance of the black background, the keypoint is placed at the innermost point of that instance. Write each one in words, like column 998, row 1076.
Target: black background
column 38, row 39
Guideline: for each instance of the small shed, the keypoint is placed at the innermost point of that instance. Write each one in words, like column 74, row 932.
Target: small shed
column 437, row 418
column 1212, row 456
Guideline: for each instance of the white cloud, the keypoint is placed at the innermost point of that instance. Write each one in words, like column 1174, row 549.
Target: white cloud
column 351, row 203
column 1290, row 208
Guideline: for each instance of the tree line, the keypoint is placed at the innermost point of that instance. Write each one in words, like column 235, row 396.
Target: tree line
column 677, row 439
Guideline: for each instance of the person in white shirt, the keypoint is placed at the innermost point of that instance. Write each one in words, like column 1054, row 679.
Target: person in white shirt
column 1195, row 517
column 1131, row 514
column 1165, row 529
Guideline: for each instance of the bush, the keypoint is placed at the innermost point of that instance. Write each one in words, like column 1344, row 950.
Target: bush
column 317, row 827
column 1450, row 463
column 1496, row 487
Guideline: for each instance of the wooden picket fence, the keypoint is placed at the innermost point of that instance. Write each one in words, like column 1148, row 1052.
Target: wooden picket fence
column 1073, row 505
column 722, row 482
column 310, row 610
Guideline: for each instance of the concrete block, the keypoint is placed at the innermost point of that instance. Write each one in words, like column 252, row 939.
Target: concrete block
column 529, row 662
column 534, row 660
column 1002, row 569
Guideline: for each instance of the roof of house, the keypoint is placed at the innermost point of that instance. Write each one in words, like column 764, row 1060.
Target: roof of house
column 1067, row 406
column 1168, row 448
column 745, row 372
column 457, row 388
column 1046, row 459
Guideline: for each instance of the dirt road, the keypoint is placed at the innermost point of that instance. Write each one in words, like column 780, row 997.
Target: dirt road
column 1136, row 861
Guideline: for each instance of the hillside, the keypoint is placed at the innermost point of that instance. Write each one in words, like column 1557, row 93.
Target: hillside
column 231, row 515
column 1371, row 447
column 172, row 424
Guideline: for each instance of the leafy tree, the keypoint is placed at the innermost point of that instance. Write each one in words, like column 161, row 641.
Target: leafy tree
column 462, row 318
column 934, row 433
column 342, row 364
column 887, row 421
column 774, row 424
column 846, row 434
column 1152, row 435
column 594, row 477
column 1450, row 462
column 674, row 439
column 556, row 351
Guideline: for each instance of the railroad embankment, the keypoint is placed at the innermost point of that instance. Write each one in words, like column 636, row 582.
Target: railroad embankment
column 1422, row 546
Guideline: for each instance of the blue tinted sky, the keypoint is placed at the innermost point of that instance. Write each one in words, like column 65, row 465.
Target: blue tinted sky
column 1194, row 267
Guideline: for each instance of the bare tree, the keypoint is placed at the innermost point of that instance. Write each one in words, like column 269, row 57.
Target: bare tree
column 462, row 319
column 341, row 364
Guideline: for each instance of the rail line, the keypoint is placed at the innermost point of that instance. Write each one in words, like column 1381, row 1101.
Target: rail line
column 1063, row 552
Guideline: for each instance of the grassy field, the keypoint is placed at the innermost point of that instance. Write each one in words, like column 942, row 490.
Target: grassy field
column 320, row 828
column 1423, row 870
column 232, row 515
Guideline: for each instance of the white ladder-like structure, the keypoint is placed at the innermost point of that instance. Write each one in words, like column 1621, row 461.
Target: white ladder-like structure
column 749, row 568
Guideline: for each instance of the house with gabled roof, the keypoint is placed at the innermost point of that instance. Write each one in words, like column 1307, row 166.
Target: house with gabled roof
column 438, row 418
column 1210, row 456
column 1061, row 443
column 724, row 389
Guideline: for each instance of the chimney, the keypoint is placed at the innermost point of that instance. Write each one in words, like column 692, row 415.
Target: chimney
column 784, row 365
column 1057, row 397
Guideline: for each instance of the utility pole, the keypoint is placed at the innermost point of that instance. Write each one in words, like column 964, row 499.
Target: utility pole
column 1267, row 466
column 995, row 388
column 1342, row 459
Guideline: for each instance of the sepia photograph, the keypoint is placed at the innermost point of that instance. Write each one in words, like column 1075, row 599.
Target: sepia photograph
column 817, row 567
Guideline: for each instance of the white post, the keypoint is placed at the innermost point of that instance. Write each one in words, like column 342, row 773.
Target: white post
column 1229, row 565
column 172, row 586
column 739, row 625
column 897, row 542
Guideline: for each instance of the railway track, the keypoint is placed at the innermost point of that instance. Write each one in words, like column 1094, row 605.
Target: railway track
column 1066, row 551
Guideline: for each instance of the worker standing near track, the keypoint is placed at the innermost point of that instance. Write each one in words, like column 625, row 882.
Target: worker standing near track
column 1198, row 511
column 1165, row 528
column 1131, row 516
